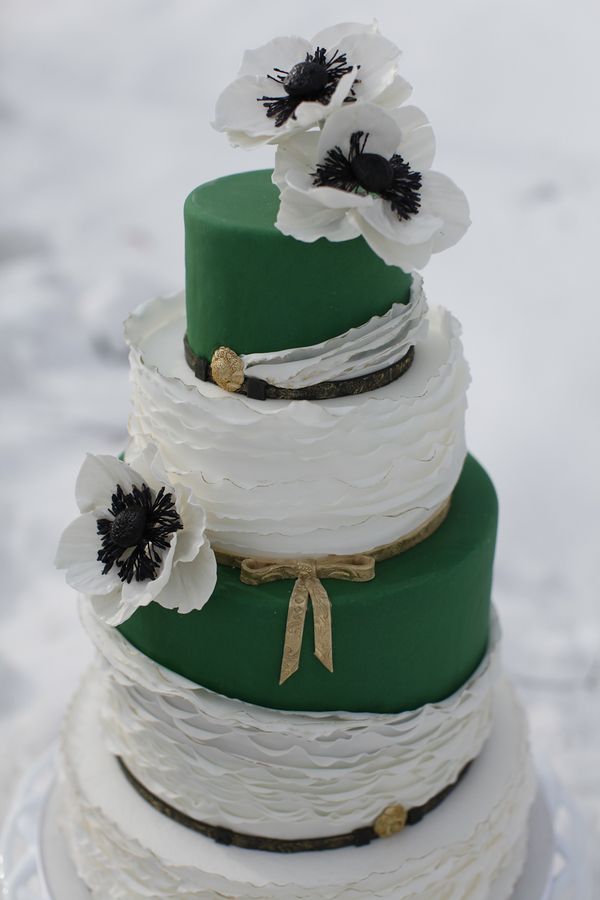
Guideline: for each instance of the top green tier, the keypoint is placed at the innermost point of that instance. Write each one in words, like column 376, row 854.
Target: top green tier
column 253, row 289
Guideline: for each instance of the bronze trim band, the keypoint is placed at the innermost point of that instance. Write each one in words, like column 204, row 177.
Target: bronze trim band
column 357, row 838
column 257, row 389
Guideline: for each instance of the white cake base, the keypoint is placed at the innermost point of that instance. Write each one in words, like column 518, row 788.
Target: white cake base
column 35, row 864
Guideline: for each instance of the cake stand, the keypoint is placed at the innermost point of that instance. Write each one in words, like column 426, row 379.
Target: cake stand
column 35, row 865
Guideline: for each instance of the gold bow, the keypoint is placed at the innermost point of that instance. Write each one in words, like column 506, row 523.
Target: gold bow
column 308, row 574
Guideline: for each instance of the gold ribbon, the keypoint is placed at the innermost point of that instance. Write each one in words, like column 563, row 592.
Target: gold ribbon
column 308, row 574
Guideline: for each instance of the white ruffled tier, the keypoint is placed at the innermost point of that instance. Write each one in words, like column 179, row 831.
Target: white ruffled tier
column 283, row 478
column 282, row 774
column 124, row 848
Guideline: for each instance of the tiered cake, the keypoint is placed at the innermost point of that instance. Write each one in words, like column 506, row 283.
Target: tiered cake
column 297, row 690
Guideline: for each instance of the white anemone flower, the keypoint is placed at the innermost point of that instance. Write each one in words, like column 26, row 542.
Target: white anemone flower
column 138, row 539
column 368, row 173
column 292, row 84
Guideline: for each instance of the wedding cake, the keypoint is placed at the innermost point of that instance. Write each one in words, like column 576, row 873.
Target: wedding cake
column 287, row 575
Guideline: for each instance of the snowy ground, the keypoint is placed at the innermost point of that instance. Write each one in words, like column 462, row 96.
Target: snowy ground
column 104, row 111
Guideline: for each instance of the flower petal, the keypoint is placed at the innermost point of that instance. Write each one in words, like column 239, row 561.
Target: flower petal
column 408, row 258
column 298, row 153
column 192, row 583
column 418, row 228
column 395, row 94
column 335, row 198
column 239, row 111
column 330, row 37
column 247, row 141
column 384, row 133
column 192, row 536
column 378, row 59
column 140, row 459
column 417, row 142
column 98, row 478
column 281, row 53
column 307, row 220
column 141, row 593
column 440, row 195
column 78, row 553
column 147, row 461
column 332, row 198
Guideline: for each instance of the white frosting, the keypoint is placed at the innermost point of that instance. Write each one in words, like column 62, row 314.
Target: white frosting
column 378, row 343
column 283, row 478
column 282, row 774
column 124, row 848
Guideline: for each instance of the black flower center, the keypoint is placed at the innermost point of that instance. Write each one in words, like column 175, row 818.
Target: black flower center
column 370, row 173
column 306, row 80
column 128, row 526
column 139, row 531
column 373, row 172
column 314, row 78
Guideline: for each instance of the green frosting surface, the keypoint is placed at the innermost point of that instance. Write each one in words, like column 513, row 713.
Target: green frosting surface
column 253, row 289
column 411, row 636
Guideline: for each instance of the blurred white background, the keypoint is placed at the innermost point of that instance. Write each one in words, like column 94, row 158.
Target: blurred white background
column 104, row 119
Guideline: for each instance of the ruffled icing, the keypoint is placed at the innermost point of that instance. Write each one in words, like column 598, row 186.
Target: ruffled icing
column 376, row 344
column 300, row 477
column 123, row 848
column 281, row 774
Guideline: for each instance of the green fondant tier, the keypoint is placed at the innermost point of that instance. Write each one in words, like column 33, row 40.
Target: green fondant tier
column 253, row 289
column 411, row 636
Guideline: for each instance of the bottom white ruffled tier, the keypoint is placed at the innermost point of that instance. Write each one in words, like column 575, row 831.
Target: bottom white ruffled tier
column 124, row 848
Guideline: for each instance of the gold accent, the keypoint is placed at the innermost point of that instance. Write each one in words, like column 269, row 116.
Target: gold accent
column 308, row 574
column 387, row 551
column 392, row 820
column 227, row 369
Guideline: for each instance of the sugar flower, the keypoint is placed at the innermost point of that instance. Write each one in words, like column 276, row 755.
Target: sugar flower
column 368, row 173
column 292, row 84
column 138, row 539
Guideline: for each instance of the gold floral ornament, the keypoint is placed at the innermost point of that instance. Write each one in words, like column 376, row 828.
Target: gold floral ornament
column 227, row 369
column 392, row 820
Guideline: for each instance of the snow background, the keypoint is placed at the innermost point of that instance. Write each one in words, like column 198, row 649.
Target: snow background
column 104, row 111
